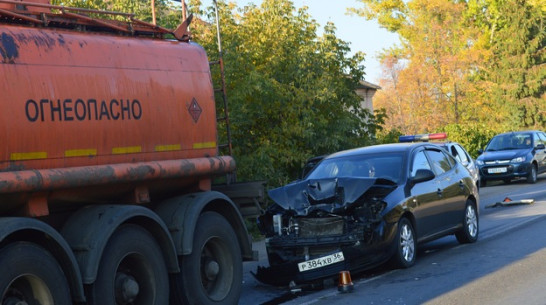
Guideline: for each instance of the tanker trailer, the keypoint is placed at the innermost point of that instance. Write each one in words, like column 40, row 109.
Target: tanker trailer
column 109, row 150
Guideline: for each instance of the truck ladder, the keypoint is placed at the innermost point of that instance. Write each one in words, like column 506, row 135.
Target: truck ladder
column 222, row 116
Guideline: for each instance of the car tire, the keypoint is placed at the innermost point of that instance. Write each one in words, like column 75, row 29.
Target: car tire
column 469, row 232
column 406, row 246
column 532, row 177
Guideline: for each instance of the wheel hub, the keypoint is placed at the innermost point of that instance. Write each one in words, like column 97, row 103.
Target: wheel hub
column 127, row 288
column 212, row 268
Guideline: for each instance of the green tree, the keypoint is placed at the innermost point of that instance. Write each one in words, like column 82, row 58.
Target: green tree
column 516, row 73
column 291, row 91
column 472, row 137
column 167, row 13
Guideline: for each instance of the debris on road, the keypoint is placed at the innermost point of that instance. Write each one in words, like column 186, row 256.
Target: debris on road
column 508, row 202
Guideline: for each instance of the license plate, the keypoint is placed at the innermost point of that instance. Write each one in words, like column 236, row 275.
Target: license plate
column 321, row 261
column 496, row 170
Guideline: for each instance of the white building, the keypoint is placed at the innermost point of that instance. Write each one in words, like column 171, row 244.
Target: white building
column 366, row 92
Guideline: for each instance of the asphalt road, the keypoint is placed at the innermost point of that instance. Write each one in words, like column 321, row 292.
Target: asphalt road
column 505, row 266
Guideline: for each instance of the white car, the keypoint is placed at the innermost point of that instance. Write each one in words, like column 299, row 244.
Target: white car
column 454, row 148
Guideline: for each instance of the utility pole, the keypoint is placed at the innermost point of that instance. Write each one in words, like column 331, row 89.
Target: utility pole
column 153, row 12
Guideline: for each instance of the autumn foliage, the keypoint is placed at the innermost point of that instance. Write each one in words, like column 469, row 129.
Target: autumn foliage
column 479, row 64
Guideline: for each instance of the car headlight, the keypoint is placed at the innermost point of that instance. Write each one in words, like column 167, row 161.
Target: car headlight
column 518, row 160
column 277, row 224
column 479, row 162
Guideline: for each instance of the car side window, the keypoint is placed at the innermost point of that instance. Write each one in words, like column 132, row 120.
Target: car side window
column 450, row 159
column 542, row 138
column 440, row 162
column 455, row 153
column 461, row 155
column 420, row 161
column 536, row 139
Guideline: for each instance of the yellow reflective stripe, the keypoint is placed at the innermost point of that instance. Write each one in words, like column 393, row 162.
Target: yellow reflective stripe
column 126, row 150
column 28, row 156
column 204, row 145
column 80, row 152
column 171, row 147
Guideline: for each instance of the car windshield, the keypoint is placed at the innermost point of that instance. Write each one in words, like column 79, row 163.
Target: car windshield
column 388, row 166
column 509, row 142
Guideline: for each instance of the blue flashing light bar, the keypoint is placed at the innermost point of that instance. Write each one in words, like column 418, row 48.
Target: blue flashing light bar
column 423, row 137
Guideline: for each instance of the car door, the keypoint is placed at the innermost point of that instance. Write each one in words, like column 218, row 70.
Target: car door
column 451, row 201
column 423, row 197
column 541, row 153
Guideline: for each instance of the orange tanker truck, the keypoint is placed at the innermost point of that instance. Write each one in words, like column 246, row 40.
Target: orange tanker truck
column 109, row 151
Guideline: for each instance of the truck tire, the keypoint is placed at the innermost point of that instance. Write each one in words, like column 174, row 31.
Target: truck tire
column 31, row 275
column 132, row 270
column 212, row 273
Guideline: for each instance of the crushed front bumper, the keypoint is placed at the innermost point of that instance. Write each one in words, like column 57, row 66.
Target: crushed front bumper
column 361, row 251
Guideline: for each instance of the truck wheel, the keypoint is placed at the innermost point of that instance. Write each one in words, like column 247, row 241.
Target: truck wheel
column 132, row 270
column 31, row 275
column 212, row 273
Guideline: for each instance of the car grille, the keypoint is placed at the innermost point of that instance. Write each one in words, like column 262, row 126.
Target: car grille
column 316, row 227
column 497, row 162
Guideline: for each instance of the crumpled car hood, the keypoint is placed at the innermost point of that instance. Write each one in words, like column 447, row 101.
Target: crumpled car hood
column 331, row 195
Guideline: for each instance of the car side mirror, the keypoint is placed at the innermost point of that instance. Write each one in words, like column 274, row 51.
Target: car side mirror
column 422, row 175
column 480, row 151
column 540, row 146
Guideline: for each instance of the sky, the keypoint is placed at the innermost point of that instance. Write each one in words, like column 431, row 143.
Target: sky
column 365, row 36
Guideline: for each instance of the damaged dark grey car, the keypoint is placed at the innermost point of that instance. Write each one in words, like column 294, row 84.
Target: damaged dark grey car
column 359, row 208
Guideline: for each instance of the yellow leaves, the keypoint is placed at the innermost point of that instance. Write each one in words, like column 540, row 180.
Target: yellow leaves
column 429, row 89
column 391, row 14
column 539, row 3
